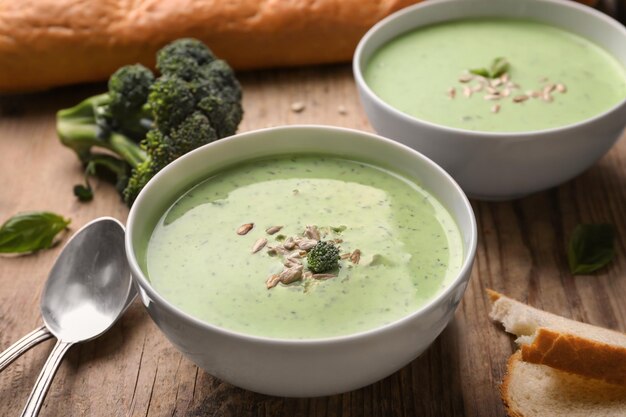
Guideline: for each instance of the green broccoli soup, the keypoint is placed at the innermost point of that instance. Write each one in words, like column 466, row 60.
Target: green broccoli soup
column 498, row 75
column 305, row 246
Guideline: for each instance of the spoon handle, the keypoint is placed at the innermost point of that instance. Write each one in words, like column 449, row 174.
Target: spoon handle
column 44, row 379
column 22, row 345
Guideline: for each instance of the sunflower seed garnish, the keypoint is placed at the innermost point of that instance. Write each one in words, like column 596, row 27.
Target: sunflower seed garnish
column 312, row 232
column 466, row 78
column 323, row 276
column 477, row 88
column 492, row 90
column 306, row 244
column 492, row 97
column 355, row 257
column 505, row 77
column 495, row 108
column 512, row 85
column 272, row 281
column 291, row 262
column 273, row 229
column 533, row 93
column 245, row 228
column 346, row 255
column 290, row 275
column 495, row 82
column 549, row 88
column 275, row 250
column 467, row 92
column 289, row 243
column 547, row 97
column 561, row 88
column 519, row 99
column 451, row 92
column 505, row 92
column 259, row 244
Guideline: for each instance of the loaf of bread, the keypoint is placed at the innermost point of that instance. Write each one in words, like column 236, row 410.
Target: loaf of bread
column 562, row 343
column 47, row 43
column 531, row 390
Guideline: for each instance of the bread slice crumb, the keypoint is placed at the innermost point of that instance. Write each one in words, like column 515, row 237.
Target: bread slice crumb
column 561, row 343
column 531, row 390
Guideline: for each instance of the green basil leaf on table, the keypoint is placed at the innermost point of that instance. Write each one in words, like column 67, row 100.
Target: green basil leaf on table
column 31, row 231
column 590, row 248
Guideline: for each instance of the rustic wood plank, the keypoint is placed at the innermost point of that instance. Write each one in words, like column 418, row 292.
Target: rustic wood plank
column 134, row 371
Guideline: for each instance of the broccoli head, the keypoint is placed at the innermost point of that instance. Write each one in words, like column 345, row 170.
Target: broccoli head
column 323, row 257
column 141, row 174
column 162, row 149
column 148, row 122
column 129, row 87
column 184, row 58
column 195, row 80
column 220, row 97
column 171, row 101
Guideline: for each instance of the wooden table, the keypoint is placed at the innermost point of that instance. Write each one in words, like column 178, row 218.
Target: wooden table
column 134, row 371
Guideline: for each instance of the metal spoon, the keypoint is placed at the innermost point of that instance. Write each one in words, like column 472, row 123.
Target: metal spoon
column 88, row 288
column 39, row 335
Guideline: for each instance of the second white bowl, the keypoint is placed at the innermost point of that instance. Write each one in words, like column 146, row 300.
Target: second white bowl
column 499, row 166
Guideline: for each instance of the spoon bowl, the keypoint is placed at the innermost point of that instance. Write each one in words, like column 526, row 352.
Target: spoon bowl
column 87, row 286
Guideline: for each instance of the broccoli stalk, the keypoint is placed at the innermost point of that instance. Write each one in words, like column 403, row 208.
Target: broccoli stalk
column 142, row 123
column 82, row 128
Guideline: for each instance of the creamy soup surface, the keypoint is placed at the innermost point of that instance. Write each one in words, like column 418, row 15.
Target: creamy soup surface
column 410, row 247
column 416, row 72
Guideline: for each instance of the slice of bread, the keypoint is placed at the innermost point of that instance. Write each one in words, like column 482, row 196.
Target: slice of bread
column 531, row 390
column 562, row 343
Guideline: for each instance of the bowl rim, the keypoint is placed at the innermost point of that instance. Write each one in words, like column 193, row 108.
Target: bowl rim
column 357, row 71
column 465, row 270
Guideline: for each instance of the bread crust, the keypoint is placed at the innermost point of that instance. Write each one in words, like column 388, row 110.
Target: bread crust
column 46, row 43
column 493, row 295
column 578, row 355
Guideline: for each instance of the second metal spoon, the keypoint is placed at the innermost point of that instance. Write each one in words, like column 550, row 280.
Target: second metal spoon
column 87, row 290
column 43, row 333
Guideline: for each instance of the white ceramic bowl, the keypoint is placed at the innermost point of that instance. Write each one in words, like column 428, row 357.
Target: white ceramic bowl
column 499, row 166
column 298, row 368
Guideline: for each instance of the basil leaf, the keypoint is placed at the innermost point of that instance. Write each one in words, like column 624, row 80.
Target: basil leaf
column 30, row 231
column 498, row 67
column 590, row 248
column 483, row 72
